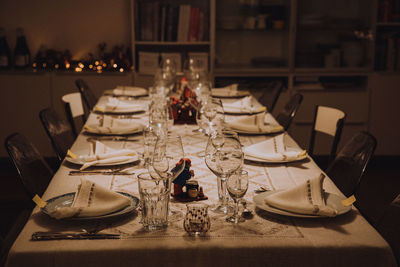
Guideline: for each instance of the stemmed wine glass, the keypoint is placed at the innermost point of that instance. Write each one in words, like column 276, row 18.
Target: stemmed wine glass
column 237, row 185
column 201, row 91
column 223, row 156
column 168, row 151
column 213, row 111
column 166, row 74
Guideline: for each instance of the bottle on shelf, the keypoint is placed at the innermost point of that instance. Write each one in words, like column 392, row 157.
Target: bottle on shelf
column 5, row 54
column 21, row 51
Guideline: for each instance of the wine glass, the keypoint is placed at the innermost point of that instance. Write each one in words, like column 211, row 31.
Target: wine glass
column 168, row 151
column 158, row 91
column 158, row 119
column 223, row 156
column 213, row 111
column 167, row 64
column 237, row 185
column 199, row 98
column 169, row 116
column 166, row 78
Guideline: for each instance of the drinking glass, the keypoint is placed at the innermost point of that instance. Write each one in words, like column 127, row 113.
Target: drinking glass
column 201, row 94
column 169, row 116
column 237, row 185
column 154, row 200
column 167, row 64
column 190, row 66
column 223, row 156
column 166, row 78
column 213, row 111
column 168, row 151
column 150, row 138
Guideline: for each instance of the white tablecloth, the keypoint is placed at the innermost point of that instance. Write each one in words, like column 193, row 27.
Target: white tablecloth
column 265, row 240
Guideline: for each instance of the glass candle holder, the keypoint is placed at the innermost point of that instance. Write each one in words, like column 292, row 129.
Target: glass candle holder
column 197, row 221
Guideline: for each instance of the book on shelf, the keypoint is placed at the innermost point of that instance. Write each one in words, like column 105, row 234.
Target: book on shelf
column 136, row 20
column 146, row 21
column 148, row 62
column 174, row 57
column 160, row 21
column 156, row 21
column 183, row 22
column 200, row 59
column 387, row 53
column 194, row 25
column 163, row 22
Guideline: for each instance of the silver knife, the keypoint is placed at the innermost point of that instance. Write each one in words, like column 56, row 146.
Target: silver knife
column 100, row 172
column 40, row 236
column 121, row 139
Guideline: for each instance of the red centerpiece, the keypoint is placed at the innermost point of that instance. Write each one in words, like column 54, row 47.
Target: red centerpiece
column 183, row 106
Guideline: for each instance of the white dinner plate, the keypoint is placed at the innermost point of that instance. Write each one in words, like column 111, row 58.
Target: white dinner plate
column 80, row 162
column 130, row 91
column 236, row 94
column 332, row 200
column 266, row 131
column 94, row 129
column 67, row 199
column 132, row 110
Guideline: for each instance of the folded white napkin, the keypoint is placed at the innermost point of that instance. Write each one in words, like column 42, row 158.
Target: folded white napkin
column 92, row 200
column 115, row 105
column 254, row 124
column 114, row 126
column 230, row 90
column 129, row 91
column 273, row 149
column 244, row 105
column 306, row 198
column 103, row 155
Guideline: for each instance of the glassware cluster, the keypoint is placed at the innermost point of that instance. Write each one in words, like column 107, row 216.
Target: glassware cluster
column 163, row 149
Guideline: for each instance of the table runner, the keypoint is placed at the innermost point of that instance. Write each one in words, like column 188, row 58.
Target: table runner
column 266, row 239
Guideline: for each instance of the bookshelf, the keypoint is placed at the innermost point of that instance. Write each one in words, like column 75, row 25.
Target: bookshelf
column 179, row 27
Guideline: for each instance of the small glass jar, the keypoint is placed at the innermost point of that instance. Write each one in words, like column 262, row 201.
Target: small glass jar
column 197, row 221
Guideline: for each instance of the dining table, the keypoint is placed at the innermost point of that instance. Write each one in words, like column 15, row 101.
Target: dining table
column 265, row 238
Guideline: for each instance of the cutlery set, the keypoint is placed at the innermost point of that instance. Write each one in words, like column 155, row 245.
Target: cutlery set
column 40, row 236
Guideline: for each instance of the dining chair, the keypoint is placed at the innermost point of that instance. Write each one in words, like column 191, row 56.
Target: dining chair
column 285, row 117
column 74, row 111
column 348, row 167
column 87, row 94
column 270, row 96
column 58, row 131
column 34, row 172
column 327, row 120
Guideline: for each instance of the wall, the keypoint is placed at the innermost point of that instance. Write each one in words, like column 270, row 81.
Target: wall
column 385, row 112
column 76, row 25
